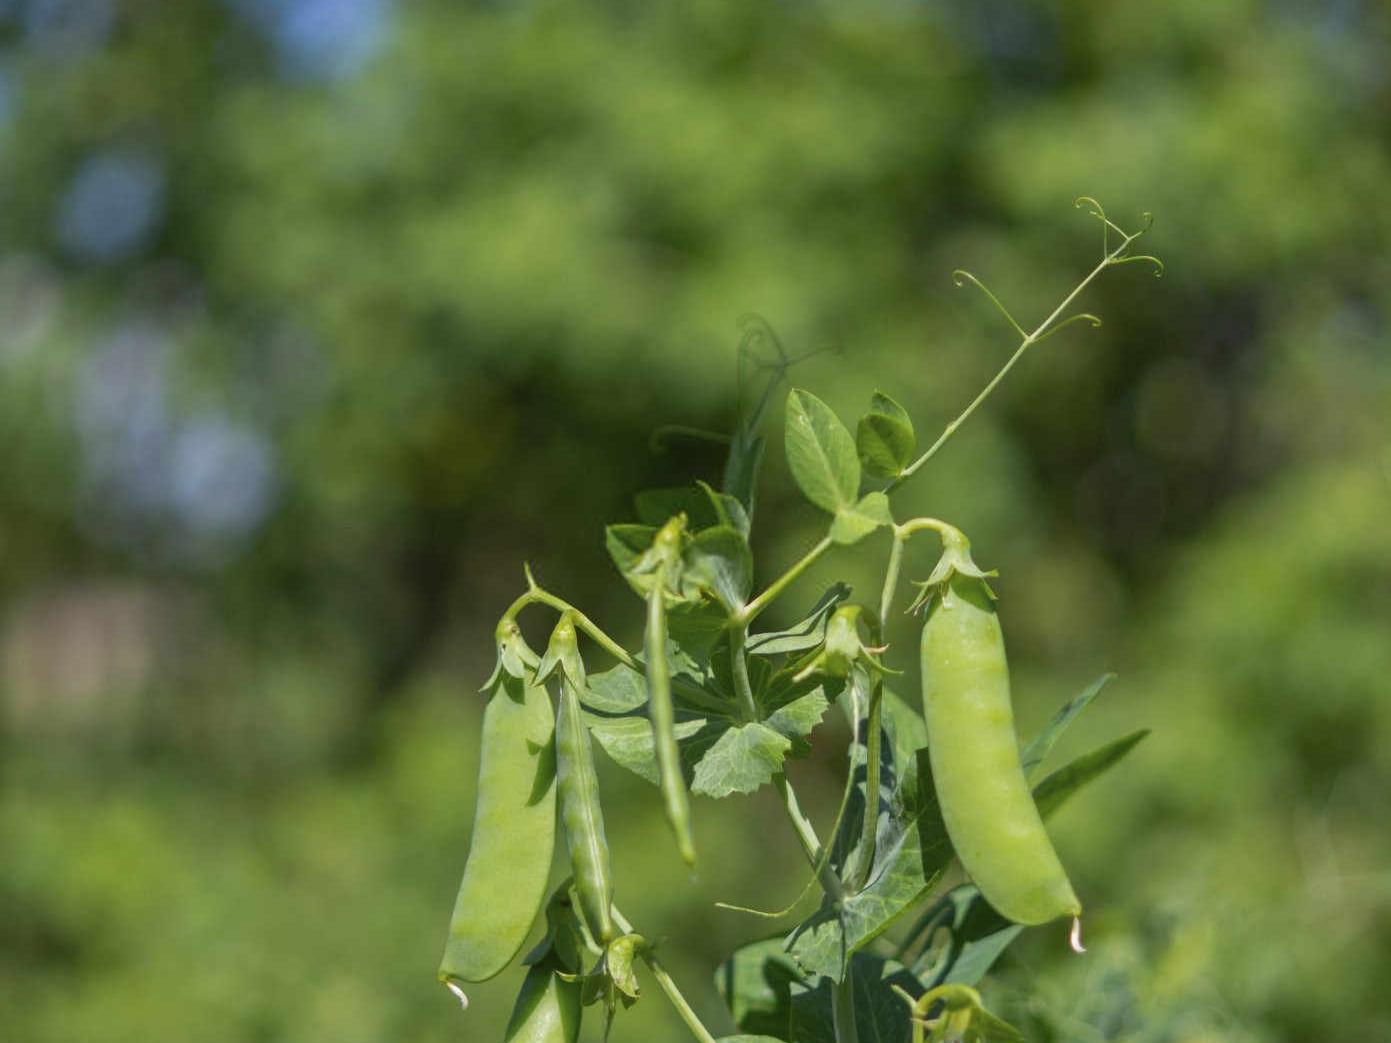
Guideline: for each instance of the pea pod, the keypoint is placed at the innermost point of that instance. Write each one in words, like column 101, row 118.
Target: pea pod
column 663, row 715
column 509, row 858
column 988, row 810
column 547, row 1008
column 581, row 813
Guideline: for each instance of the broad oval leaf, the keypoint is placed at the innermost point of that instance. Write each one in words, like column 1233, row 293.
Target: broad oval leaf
column 880, row 1013
column 616, row 690
column 728, row 509
column 720, row 560
column 628, row 742
column 820, row 453
column 884, row 438
column 756, row 985
column 627, row 543
column 857, row 520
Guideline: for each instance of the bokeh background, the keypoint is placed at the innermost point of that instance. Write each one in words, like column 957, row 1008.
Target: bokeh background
column 318, row 317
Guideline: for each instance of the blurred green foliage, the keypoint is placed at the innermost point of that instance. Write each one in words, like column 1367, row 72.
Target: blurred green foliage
column 319, row 318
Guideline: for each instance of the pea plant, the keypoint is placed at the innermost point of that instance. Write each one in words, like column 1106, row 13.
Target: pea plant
column 712, row 706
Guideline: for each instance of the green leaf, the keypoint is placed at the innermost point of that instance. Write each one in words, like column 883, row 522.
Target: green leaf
column 912, row 851
column 628, row 742
column 695, row 628
column 728, row 510
column 857, row 520
column 880, row 1013
column 820, row 453
column 741, row 760
column 979, row 936
column 1039, row 747
column 755, row 984
column 719, row 559
column 884, row 438
column 741, row 467
column 655, row 506
column 804, row 634
column 627, row 543
column 1053, row 792
column 616, row 690
column 750, row 1039
column 798, row 719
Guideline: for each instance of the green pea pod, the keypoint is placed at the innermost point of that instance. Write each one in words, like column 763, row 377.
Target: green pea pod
column 988, row 810
column 509, row 858
column 582, row 815
column 547, row 1008
column 663, row 715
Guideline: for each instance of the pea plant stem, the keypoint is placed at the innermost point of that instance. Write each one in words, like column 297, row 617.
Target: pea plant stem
column 843, row 1009
column 668, row 986
column 806, row 836
column 869, row 829
column 1042, row 331
column 758, row 604
column 738, row 638
column 1024, row 345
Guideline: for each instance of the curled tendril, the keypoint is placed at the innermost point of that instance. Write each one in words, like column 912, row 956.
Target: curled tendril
column 758, row 330
column 1084, row 316
column 1098, row 210
column 1158, row 264
column 1108, row 226
column 961, row 277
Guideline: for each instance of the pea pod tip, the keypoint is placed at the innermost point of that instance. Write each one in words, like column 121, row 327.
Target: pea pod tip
column 458, row 992
column 1074, row 938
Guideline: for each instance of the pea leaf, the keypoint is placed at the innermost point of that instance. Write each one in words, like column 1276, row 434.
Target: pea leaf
column 756, row 985
column 694, row 629
column 820, row 453
column 728, row 510
column 720, row 560
column 799, row 718
column 616, row 690
column 655, row 506
column 627, row 543
column 1053, row 792
column 628, row 742
column 804, row 634
column 980, row 936
column 1038, row 748
column 880, row 1014
column 912, row 851
column 854, row 522
column 885, row 438
column 741, row 467
column 741, row 760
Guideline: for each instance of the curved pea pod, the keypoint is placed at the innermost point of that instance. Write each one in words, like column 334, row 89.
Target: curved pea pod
column 509, row 859
column 986, row 804
column 582, row 815
column 663, row 714
column 547, row 1008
